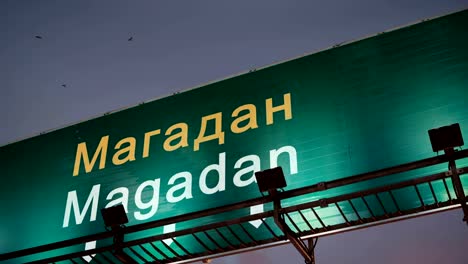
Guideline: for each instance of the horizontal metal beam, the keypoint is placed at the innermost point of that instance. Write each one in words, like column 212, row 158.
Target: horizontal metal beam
column 134, row 228
column 374, row 174
column 350, row 196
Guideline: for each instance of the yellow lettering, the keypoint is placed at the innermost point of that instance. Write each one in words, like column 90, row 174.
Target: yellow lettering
column 182, row 136
column 286, row 107
column 218, row 134
column 130, row 150
column 251, row 116
column 82, row 153
column 146, row 143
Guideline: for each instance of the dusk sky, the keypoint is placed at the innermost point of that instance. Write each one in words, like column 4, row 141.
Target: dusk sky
column 62, row 62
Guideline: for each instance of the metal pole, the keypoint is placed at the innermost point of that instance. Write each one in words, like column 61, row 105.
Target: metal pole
column 293, row 238
column 119, row 234
column 457, row 185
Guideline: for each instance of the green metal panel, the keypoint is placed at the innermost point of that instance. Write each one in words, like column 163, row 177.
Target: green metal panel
column 355, row 108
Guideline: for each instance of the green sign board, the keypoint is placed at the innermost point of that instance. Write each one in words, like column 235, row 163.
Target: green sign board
column 325, row 116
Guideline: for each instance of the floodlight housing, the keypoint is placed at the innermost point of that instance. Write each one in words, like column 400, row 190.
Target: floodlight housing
column 114, row 216
column 446, row 137
column 271, row 179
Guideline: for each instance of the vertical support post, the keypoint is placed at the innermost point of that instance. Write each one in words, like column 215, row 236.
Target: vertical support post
column 312, row 245
column 306, row 251
column 457, row 185
column 118, row 247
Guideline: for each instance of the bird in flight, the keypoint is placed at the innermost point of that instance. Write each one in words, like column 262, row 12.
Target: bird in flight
column 38, row 37
column 64, row 85
column 130, row 39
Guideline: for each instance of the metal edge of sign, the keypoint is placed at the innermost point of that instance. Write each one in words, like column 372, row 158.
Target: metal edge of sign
column 341, row 44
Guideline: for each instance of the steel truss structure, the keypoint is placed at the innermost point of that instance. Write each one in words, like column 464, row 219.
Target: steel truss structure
column 285, row 222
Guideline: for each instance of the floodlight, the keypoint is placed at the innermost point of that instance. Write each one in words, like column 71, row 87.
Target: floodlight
column 446, row 137
column 270, row 179
column 114, row 216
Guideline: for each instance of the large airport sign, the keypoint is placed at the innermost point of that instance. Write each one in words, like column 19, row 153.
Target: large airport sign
column 343, row 111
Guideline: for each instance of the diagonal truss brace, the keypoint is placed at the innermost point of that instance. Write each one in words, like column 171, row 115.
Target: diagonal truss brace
column 306, row 250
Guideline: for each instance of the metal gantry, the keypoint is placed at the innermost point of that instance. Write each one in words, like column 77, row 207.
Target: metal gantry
column 284, row 222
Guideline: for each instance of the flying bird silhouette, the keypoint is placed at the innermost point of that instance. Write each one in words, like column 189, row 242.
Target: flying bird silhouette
column 38, row 37
column 130, row 39
column 64, row 85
